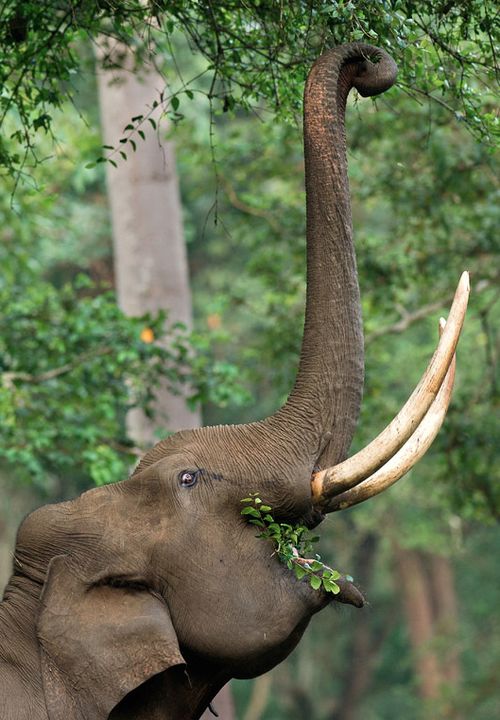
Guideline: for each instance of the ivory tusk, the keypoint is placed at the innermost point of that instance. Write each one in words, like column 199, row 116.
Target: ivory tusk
column 406, row 457
column 335, row 480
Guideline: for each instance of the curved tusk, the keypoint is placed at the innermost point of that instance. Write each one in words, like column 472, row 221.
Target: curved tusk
column 406, row 457
column 335, row 480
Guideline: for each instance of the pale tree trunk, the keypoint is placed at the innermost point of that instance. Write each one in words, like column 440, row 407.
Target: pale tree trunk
column 5, row 552
column 417, row 604
column 431, row 609
column 149, row 252
column 446, row 615
column 446, row 621
column 259, row 697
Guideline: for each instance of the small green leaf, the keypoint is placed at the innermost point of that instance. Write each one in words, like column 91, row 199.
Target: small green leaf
column 299, row 572
column 316, row 565
column 175, row 103
column 330, row 586
column 315, row 582
column 251, row 511
column 334, row 588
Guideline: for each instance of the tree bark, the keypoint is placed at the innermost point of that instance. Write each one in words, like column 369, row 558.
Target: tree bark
column 446, row 615
column 417, row 604
column 150, row 261
column 431, row 609
column 259, row 697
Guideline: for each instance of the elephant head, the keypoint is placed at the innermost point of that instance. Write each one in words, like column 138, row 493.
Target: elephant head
column 141, row 599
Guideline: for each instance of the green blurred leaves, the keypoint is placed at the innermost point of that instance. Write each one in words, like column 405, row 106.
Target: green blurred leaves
column 254, row 53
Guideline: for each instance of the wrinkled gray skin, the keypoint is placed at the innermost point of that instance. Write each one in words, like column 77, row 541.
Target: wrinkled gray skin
column 140, row 600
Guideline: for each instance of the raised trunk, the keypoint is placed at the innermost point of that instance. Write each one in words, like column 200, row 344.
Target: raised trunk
column 316, row 424
column 324, row 404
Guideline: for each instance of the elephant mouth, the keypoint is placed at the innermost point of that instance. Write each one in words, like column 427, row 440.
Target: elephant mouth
column 348, row 593
column 292, row 547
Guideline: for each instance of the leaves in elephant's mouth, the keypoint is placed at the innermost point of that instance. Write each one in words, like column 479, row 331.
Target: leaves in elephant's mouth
column 292, row 544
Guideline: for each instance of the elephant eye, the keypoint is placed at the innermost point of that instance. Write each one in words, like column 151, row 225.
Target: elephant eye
column 188, row 478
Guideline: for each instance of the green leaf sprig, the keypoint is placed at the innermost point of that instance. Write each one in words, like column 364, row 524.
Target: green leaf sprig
column 292, row 543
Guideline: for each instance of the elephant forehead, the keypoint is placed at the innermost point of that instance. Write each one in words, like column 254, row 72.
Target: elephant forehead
column 237, row 451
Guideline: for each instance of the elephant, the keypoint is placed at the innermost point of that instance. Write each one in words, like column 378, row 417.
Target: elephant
column 140, row 600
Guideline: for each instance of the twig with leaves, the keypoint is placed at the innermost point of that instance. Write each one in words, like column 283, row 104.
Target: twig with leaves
column 291, row 542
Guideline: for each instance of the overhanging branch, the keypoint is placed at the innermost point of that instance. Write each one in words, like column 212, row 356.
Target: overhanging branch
column 8, row 378
column 409, row 318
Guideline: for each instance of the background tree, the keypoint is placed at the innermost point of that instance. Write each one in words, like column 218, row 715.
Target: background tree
column 148, row 243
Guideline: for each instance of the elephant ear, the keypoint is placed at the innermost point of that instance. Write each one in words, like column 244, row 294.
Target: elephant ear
column 98, row 643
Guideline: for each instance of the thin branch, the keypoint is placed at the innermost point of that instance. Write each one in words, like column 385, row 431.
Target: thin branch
column 8, row 378
column 461, row 59
column 237, row 203
column 127, row 449
column 409, row 318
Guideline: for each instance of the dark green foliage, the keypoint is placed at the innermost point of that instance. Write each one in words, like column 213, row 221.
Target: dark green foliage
column 256, row 52
column 71, row 364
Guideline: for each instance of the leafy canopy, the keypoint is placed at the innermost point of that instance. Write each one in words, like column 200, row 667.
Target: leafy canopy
column 256, row 52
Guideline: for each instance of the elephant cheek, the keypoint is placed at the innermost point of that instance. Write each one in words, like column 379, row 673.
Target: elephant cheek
column 269, row 657
column 243, row 622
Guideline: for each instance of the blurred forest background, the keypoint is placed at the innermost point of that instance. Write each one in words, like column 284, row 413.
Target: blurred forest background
column 425, row 203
